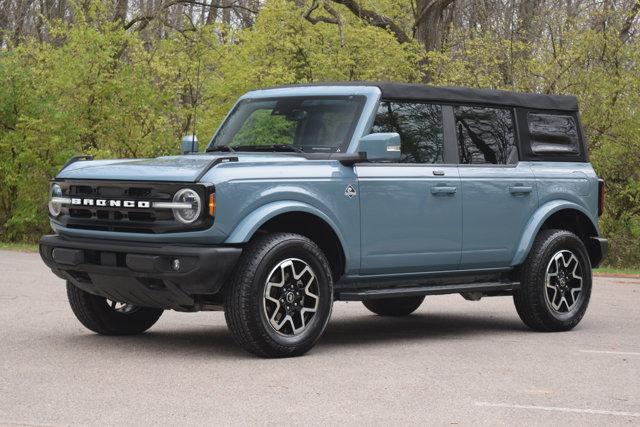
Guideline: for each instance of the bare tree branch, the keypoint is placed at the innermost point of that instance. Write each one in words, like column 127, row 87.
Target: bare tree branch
column 375, row 19
column 145, row 19
column 335, row 17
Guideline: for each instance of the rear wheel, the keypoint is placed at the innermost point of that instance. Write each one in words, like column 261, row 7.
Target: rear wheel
column 279, row 300
column 108, row 317
column 555, row 282
column 394, row 306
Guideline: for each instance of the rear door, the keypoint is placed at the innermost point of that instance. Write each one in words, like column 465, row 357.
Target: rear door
column 411, row 211
column 498, row 192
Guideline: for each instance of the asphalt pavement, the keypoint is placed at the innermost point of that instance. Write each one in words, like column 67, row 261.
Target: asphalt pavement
column 453, row 362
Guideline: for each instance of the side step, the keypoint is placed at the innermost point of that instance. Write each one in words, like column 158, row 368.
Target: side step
column 486, row 287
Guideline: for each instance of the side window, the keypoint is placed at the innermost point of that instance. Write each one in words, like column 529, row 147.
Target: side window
column 419, row 126
column 551, row 134
column 485, row 135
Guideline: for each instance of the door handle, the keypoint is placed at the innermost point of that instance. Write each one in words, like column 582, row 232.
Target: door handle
column 438, row 190
column 520, row 189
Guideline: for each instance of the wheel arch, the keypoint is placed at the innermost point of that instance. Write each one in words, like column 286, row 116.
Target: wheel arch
column 561, row 215
column 296, row 217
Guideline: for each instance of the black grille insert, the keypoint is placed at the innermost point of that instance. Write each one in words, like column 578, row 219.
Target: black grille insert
column 96, row 212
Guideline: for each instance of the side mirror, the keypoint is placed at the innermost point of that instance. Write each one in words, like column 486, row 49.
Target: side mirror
column 189, row 144
column 380, row 147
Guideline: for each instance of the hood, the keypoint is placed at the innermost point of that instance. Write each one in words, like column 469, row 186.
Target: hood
column 170, row 168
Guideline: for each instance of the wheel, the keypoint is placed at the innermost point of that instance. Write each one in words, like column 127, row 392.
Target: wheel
column 394, row 306
column 108, row 317
column 555, row 282
column 279, row 299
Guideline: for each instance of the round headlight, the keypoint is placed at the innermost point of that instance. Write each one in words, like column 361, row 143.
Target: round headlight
column 190, row 197
column 55, row 207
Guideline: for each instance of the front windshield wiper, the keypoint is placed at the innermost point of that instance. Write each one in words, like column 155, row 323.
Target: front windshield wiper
column 221, row 148
column 287, row 147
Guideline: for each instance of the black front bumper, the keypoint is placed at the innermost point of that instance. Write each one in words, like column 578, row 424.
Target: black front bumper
column 141, row 274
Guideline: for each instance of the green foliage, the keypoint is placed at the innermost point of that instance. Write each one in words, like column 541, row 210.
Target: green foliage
column 100, row 89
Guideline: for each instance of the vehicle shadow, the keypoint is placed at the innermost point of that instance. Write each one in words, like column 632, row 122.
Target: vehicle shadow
column 371, row 329
column 341, row 333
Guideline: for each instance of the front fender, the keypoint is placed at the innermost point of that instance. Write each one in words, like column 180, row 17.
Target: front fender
column 536, row 221
column 248, row 226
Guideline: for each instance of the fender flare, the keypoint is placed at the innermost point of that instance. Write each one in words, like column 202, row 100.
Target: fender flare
column 535, row 223
column 252, row 222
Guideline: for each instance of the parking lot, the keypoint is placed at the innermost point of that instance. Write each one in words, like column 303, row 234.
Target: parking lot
column 453, row 362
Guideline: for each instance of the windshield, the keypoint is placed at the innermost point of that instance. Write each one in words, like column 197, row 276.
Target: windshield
column 302, row 124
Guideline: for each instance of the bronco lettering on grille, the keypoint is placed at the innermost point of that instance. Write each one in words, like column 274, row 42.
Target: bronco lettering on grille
column 141, row 204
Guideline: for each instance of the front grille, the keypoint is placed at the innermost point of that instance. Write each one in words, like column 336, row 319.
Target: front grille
column 128, row 219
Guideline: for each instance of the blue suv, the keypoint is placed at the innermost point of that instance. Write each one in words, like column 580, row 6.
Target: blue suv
column 375, row 192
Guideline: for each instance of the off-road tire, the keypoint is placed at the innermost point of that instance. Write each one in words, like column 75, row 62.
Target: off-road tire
column 244, row 294
column 96, row 315
column 402, row 306
column 530, row 300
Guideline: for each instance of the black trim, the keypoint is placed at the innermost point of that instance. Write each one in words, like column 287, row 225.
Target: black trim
column 599, row 247
column 140, row 273
column 525, row 151
column 84, row 157
column 213, row 163
column 421, row 92
column 379, row 293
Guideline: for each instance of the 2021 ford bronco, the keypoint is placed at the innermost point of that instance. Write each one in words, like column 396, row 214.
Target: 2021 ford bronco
column 375, row 192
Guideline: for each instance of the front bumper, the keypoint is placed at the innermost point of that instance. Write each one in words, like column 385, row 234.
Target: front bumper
column 141, row 274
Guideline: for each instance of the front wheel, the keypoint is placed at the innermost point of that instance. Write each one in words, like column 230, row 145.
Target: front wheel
column 279, row 299
column 555, row 283
column 108, row 317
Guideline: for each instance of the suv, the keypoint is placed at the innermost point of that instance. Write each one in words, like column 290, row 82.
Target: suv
column 375, row 192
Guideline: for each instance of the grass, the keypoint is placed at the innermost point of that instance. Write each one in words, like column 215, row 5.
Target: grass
column 19, row 247
column 607, row 270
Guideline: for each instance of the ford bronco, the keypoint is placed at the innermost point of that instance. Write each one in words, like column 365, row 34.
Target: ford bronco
column 375, row 192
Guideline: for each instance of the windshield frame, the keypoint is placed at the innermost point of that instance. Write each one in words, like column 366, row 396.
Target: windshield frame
column 361, row 99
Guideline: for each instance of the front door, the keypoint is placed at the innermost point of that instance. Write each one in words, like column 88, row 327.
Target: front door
column 411, row 212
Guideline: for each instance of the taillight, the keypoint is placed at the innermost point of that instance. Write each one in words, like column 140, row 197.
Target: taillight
column 600, row 196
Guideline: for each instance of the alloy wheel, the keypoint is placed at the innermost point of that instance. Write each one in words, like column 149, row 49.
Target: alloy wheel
column 291, row 297
column 563, row 282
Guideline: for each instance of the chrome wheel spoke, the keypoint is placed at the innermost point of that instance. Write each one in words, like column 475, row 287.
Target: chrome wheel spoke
column 563, row 281
column 291, row 296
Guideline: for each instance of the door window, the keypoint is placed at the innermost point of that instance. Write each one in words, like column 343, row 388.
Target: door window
column 485, row 135
column 419, row 126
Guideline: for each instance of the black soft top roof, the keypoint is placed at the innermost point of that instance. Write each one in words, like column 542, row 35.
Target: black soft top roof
column 421, row 92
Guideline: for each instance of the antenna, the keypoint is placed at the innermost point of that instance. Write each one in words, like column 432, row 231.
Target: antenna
column 195, row 100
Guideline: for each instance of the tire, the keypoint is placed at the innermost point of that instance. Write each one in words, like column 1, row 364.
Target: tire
column 403, row 306
column 98, row 315
column 261, row 289
column 548, row 276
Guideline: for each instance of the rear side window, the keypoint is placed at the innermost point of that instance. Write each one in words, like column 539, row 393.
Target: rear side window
column 419, row 126
column 485, row 135
column 551, row 134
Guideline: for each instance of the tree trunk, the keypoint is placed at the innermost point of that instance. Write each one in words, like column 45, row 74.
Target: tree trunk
column 120, row 15
column 430, row 22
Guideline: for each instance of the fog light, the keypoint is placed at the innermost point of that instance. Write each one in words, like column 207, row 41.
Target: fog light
column 175, row 265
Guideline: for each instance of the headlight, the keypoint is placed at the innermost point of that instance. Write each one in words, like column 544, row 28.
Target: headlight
column 55, row 200
column 192, row 206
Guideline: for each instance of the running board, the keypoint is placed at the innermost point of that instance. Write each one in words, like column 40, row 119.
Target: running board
column 486, row 287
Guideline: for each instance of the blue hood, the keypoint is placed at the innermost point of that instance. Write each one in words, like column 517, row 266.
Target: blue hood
column 171, row 168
